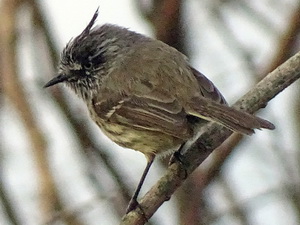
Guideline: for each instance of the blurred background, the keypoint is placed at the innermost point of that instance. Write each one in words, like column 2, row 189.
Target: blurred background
column 56, row 167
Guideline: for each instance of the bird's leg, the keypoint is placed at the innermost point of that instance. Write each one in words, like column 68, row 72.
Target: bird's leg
column 133, row 201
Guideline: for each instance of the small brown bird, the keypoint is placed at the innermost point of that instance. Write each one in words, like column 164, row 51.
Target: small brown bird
column 142, row 93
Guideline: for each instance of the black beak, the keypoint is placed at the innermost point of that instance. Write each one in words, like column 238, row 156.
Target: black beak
column 56, row 80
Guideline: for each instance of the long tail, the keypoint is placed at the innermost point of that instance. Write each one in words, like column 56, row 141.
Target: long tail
column 229, row 117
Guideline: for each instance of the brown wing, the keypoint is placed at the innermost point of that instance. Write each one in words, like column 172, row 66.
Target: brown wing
column 213, row 107
column 207, row 88
column 145, row 114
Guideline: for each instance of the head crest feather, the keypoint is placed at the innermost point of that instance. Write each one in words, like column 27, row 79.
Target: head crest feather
column 88, row 28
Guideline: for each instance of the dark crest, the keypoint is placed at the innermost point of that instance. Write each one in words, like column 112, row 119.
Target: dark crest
column 88, row 28
column 79, row 50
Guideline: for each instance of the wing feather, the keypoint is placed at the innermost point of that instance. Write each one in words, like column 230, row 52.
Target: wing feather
column 145, row 114
column 207, row 88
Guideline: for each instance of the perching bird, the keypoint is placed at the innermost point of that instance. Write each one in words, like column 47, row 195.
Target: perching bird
column 142, row 93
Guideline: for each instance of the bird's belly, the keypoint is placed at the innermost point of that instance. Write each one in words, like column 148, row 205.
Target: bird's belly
column 145, row 141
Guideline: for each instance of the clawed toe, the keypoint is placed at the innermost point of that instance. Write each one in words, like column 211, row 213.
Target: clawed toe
column 133, row 204
column 177, row 157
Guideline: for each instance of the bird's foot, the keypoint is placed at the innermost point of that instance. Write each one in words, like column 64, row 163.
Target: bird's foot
column 133, row 204
column 177, row 157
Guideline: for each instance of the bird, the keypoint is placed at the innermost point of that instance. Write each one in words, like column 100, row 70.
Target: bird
column 142, row 93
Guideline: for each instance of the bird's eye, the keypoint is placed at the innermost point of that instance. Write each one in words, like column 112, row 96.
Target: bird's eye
column 88, row 65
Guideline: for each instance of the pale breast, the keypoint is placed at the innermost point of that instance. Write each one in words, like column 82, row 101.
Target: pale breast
column 145, row 141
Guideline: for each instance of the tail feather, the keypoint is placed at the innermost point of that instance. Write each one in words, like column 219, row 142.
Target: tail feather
column 229, row 117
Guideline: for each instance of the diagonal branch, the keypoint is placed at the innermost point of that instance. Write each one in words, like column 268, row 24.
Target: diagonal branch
column 213, row 136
